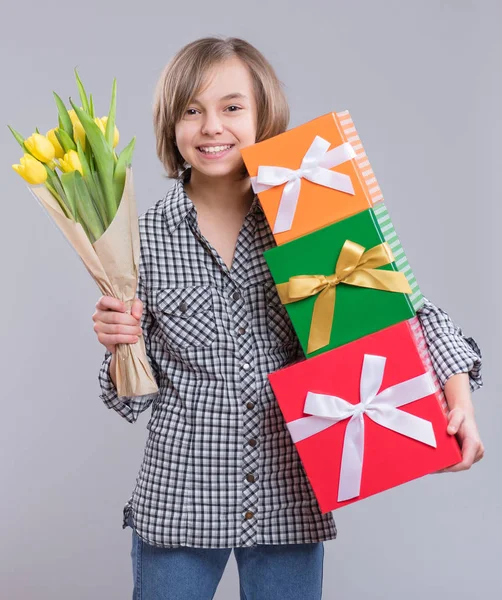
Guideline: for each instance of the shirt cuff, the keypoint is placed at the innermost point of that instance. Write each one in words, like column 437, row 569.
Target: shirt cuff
column 451, row 352
column 457, row 355
column 128, row 407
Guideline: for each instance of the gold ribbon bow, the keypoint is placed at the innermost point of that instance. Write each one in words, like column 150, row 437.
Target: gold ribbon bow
column 355, row 266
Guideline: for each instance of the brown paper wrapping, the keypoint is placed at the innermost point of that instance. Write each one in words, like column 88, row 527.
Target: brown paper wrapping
column 113, row 263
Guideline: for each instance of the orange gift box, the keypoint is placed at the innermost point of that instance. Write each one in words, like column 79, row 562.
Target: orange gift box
column 312, row 176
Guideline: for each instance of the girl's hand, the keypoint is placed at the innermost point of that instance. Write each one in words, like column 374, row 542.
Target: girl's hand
column 461, row 422
column 463, row 425
column 113, row 325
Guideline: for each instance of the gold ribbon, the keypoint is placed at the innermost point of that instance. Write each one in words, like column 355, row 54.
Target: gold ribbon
column 355, row 266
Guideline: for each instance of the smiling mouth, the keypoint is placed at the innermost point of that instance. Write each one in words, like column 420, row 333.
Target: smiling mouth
column 214, row 150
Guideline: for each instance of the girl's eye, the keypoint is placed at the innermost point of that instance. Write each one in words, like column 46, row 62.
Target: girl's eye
column 191, row 111
column 234, row 108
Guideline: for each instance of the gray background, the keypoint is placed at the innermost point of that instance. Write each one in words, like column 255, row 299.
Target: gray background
column 422, row 81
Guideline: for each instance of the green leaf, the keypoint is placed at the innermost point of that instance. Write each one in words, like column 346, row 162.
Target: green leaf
column 68, row 183
column 19, row 138
column 119, row 176
column 104, row 159
column 86, row 210
column 36, row 129
column 81, row 91
column 98, row 187
column 88, row 152
column 59, row 199
column 56, row 183
column 102, row 152
column 110, row 123
column 91, row 106
column 94, row 190
column 65, row 140
column 64, row 116
column 54, row 186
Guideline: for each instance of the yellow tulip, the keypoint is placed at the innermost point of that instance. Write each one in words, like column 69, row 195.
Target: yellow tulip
column 31, row 170
column 102, row 125
column 40, row 147
column 79, row 133
column 73, row 116
column 51, row 136
column 78, row 129
column 70, row 162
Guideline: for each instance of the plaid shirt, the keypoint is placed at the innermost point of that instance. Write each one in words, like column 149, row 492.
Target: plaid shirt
column 219, row 468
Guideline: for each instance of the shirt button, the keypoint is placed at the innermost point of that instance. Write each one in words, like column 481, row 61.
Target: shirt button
column 250, row 405
column 250, row 477
column 183, row 306
column 249, row 515
column 252, row 442
column 236, row 295
column 246, row 366
column 242, row 330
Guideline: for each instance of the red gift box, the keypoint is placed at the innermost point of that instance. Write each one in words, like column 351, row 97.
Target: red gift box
column 367, row 416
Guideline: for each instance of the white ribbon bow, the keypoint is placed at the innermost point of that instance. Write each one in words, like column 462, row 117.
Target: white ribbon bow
column 315, row 167
column 380, row 407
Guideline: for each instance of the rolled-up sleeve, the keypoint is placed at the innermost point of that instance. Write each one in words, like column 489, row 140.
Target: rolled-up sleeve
column 451, row 352
column 129, row 407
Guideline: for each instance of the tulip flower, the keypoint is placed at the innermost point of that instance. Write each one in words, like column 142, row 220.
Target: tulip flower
column 102, row 125
column 51, row 136
column 40, row 147
column 70, row 162
column 31, row 170
column 77, row 162
column 78, row 130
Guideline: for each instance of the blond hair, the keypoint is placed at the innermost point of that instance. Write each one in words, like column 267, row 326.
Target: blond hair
column 184, row 76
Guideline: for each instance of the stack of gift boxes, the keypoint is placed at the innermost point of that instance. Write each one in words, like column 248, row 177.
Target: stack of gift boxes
column 365, row 409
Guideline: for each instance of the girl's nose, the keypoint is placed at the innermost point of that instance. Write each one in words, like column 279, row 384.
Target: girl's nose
column 211, row 125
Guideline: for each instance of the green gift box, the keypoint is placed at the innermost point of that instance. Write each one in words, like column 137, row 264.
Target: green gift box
column 356, row 249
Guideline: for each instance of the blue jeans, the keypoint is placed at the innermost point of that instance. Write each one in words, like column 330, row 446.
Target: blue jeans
column 266, row 572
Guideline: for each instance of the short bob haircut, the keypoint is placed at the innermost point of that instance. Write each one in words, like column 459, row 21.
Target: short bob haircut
column 185, row 75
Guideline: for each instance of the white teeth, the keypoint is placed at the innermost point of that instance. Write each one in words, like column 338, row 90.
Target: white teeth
column 214, row 149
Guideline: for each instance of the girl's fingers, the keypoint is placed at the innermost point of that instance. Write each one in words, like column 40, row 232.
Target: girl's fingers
column 137, row 308
column 113, row 325
column 110, row 303
column 480, row 453
column 112, row 316
column 472, row 452
column 455, row 420
column 116, row 328
column 111, row 310
column 118, row 338
column 469, row 451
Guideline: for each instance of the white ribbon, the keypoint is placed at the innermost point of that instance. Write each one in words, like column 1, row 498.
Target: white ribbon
column 327, row 410
column 315, row 167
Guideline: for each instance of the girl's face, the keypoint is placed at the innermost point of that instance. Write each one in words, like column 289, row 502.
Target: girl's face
column 218, row 121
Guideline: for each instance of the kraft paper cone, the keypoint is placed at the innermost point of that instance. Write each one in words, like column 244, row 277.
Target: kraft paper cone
column 113, row 263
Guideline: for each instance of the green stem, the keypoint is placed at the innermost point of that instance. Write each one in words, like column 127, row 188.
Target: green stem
column 94, row 190
column 87, row 210
column 59, row 199
column 58, row 189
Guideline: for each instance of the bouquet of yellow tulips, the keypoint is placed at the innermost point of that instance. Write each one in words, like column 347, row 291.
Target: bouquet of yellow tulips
column 87, row 189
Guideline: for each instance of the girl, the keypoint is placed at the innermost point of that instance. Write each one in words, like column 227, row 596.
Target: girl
column 220, row 470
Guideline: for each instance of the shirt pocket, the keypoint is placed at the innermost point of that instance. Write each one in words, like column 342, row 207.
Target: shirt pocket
column 186, row 316
column 280, row 328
